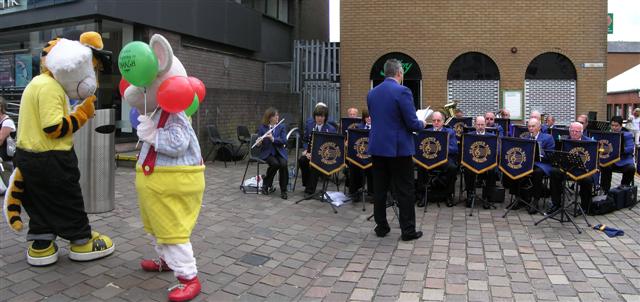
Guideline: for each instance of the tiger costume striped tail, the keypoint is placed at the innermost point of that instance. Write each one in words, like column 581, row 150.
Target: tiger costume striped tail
column 12, row 206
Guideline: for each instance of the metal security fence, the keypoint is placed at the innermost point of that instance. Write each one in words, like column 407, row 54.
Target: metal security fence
column 555, row 97
column 474, row 97
column 321, row 91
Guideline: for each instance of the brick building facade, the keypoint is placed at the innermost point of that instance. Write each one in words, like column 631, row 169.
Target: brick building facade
column 510, row 33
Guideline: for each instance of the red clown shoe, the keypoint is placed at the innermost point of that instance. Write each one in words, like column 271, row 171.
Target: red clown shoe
column 185, row 291
column 154, row 265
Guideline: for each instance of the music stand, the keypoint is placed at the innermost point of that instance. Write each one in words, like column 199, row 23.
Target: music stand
column 325, row 183
column 565, row 161
column 599, row 125
column 518, row 199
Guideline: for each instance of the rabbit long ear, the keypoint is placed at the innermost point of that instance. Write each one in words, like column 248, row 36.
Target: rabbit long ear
column 163, row 51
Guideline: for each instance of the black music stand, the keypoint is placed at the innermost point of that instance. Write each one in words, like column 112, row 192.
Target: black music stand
column 599, row 125
column 518, row 199
column 325, row 182
column 565, row 161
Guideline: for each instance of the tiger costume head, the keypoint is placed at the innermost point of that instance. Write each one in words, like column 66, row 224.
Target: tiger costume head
column 73, row 62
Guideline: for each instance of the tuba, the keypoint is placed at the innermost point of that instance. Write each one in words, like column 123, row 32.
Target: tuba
column 449, row 111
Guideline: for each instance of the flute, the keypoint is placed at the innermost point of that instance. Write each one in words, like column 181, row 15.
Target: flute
column 267, row 133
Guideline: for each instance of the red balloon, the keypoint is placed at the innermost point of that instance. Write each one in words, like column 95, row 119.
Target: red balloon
column 123, row 86
column 175, row 94
column 198, row 87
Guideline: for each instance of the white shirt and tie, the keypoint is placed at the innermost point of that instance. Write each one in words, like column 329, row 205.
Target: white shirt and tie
column 367, row 126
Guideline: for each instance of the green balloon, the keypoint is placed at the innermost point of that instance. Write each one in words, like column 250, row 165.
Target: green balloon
column 193, row 107
column 138, row 64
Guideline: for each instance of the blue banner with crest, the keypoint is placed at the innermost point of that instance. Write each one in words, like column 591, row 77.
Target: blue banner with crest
column 588, row 152
column 517, row 156
column 432, row 148
column 479, row 152
column 349, row 123
column 458, row 124
column 327, row 152
column 609, row 146
column 358, row 147
column 520, row 131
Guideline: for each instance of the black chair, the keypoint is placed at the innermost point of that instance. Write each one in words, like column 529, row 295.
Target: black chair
column 253, row 158
column 218, row 142
column 244, row 137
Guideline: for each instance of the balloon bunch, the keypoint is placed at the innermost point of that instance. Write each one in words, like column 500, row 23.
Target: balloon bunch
column 138, row 65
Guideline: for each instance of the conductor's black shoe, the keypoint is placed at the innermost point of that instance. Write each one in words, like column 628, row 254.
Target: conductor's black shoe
column 382, row 231
column 420, row 203
column 410, row 237
column 283, row 195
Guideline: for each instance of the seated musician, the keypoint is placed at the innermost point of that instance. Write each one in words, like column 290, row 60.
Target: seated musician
column 449, row 170
column 541, row 168
column 536, row 114
column 551, row 123
column 625, row 165
column 352, row 113
column 505, row 113
column 272, row 150
column 490, row 120
column 586, row 184
column 583, row 119
column 309, row 175
column 355, row 173
column 470, row 177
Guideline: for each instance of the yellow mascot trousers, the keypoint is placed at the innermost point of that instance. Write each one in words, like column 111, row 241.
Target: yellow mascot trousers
column 170, row 199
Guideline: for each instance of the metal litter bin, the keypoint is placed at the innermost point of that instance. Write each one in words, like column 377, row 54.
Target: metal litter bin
column 96, row 161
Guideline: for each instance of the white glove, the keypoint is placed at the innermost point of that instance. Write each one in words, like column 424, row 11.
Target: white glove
column 147, row 130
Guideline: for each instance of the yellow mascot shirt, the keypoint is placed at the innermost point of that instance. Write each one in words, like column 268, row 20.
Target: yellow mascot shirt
column 44, row 104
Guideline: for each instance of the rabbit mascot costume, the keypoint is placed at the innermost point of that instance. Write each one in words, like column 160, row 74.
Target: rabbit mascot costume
column 169, row 176
column 46, row 178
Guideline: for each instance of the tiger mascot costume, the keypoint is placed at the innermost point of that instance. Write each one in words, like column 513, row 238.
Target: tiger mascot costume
column 46, row 177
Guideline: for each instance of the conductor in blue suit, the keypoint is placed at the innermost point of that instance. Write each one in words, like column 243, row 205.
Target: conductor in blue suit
column 272, row 150
column 625, row 164
column 391, row 147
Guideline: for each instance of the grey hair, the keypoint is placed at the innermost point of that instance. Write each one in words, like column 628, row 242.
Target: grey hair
column 391, row 67
column 535, row 121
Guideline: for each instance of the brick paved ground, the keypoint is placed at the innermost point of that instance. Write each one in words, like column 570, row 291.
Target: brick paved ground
column 315, row 255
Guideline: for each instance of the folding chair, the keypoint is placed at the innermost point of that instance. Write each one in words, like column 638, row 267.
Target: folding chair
column 218, row 142
column 253, row 158
column 244, row 137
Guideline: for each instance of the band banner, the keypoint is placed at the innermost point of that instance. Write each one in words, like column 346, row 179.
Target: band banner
column 588, row 152
column 504, row 123
column 458, row 124
column 517, row 156
column 479, row 152
column 638, row 161
column 432, row 148
column 520, row 131
column 558, row 133
column 349, row 123
column 609, row 146
column 358, row 147
column 327, row 152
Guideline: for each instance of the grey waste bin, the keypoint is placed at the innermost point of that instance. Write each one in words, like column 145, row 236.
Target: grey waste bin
column 96, row 160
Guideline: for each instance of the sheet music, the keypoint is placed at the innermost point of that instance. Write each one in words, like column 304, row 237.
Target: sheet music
column 423, row 114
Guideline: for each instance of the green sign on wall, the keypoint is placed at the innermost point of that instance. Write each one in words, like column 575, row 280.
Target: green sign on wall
column 610, row 23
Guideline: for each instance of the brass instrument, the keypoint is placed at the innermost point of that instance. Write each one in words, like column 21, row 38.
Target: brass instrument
column 449, row 111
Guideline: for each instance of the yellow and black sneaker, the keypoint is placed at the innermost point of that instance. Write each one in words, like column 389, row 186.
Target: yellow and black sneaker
column 42, row 253
column 97, row 247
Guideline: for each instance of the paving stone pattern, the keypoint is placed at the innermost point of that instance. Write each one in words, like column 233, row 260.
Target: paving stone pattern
column 313, row 254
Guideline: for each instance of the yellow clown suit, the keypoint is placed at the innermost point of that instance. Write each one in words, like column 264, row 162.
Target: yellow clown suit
column 46, row 179
column 169, row 177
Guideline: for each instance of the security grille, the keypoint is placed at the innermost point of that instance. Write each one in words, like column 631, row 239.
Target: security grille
column 474, row 97
column 555, row 97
